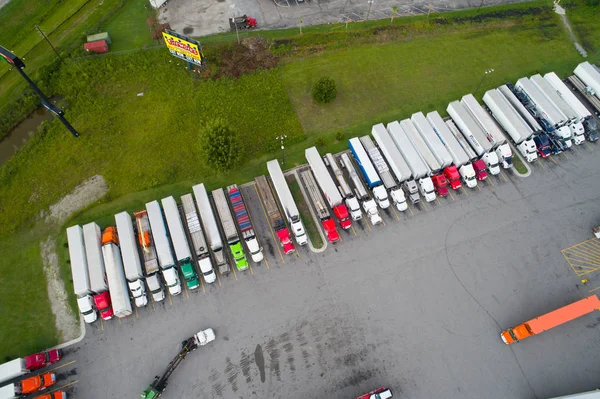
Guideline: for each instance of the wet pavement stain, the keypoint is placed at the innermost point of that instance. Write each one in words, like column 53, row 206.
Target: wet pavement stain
column 259, row 359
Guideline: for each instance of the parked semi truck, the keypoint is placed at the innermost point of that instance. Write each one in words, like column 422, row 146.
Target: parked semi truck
column 570, row 117
column 79, row 271
column 166, row 261
column 329, row 188
column 478, row 164
column 320, row 207
column 231, row 235
column 198, row 241
column 146, row 243
column 274, row 216
column 550, row 320
column 589, row 75
column 510, row 120
column 131, row 259
column 368, row 204
column 474, row 135
column 394, row 189
column 290, row 210
column 213, row 236
column 119, row 294
column 591, row 103
column 540, row 139
column 435, row 168
column 92, row 236
column 244, row 221
column 490, row 129
column 462, row 162
column 437, row 149
column 584, row 116
column 183, row 255
column 28, row 386
column 552, row 120
column 349, row 198
column 23, row 365
column 418, row 168
column 396, row 163
column 369, row 173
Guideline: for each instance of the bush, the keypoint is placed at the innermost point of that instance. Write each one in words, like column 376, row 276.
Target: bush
column 339, row 136
column 320, row 142
column 324, row 90
column 221, row 145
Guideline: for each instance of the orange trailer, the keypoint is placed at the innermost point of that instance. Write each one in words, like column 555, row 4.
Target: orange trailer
column 551, row 320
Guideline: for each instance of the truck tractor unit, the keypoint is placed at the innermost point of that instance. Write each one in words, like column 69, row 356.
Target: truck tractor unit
column 349, row 198
column 319, row 205
column 329, row 188
column 290, row 210
column 150, row 258
column 369, row 173
column 97, row 271
column 131, row 259
column 199, row 245
column 80, row 273
column 274, row 216
column 183, row 255
column 231, row 234
column 369, row 205
column 244, row 222
column 119, row 293
column 21, row 366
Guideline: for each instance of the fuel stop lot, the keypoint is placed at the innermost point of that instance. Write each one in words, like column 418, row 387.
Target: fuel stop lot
column 416, row 304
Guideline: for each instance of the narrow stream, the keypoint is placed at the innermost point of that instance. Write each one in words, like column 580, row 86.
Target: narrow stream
column 22, row 132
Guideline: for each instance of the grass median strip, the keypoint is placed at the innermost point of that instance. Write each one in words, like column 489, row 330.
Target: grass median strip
column 305, row 215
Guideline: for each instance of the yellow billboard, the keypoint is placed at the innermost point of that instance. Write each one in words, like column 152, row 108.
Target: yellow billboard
column 182, row 47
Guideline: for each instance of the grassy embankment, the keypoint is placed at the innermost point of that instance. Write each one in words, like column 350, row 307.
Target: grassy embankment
column 147, row 147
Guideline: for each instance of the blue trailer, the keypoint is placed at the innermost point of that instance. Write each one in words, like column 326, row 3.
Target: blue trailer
column 369, row 173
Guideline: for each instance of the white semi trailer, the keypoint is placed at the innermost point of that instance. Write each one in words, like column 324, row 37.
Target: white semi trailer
column 572, row 120
column 590, row 75
column 490, row 129
column 117, row 283
column 79, row 271
column 546, row 110
column 198, row 241
column 474, row 135
column 431, row 139
column 396, row 161
column 510, row 120
column 368, row 204
column 349, row 198
column 418, row 168
column 287, row 202
column 460, row 158
column 395, row 191
column 166, row 260
column 131, row 259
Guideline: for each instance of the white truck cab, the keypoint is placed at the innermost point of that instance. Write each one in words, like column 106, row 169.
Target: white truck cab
column 426, row 189
column 172, row 280
column 370, row 208
column 155, row 287
column 492, row 163
column 381, row 197
column 138, row 290
column 399, row 199
column 87, row 308
column 354, row 208
column 468, row 175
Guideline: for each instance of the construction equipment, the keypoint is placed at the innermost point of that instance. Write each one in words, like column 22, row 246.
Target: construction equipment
column 160, row 382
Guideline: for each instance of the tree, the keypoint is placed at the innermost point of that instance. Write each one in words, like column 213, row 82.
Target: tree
column 220, row 145
column 394, row 13
column 324, row 90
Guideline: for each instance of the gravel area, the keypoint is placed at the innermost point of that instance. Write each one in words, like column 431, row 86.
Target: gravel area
column 84, row 194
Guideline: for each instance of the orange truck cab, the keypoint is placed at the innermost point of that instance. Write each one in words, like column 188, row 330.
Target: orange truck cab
column 551, row 320
column 37, row 383
column 53, row 395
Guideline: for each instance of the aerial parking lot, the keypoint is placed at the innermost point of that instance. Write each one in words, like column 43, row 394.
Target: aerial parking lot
column 416, row 303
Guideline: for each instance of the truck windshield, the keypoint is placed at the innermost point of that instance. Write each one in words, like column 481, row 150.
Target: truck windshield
column 512, row 334
column 156, row 291
column 208, row 273
column 88, row 312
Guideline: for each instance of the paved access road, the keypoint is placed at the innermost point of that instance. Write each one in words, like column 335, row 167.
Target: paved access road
column 417, row 305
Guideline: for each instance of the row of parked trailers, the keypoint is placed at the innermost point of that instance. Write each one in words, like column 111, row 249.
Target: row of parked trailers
column 419, row 156
column 166, row 240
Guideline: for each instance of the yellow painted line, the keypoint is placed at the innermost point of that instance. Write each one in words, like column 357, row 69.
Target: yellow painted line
column 269, row 224
column 541, row 164
column 354, row 231
column 411, row 211
column 565, row 154
column 250, row 267
column 451, row 196
column 63, row 365
column 102, row 323
column 437, row 200
column 170, row 298
column 233, row 264
column 552, row 158
column 218, row 278
column 68, row 385
column 186, row 290
column 383, row 221
column 588, row 146
column 119, row 320
column 202, row 283
column 597, row 288
column 479, row 187
column 339, row 235
column 503, row 176
column 583, row 254
column 395, row 213
column 491, row 181
column 233, row 270
column 465, row 191
column 425, row 205
column 368, row 224
column 267, row 262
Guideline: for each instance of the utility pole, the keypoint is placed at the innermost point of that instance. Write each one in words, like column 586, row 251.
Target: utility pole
column 369, row 12
column 48, row 40
column 300, row 22
column 235, row 23
column 281, row 138
column 20, row 65
column 487, row 71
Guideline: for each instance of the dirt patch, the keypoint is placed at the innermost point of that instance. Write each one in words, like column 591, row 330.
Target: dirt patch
column 64, row 319
column 87, row 192
column 235, row 60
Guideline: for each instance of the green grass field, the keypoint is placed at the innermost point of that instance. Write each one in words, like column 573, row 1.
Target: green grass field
column 148, row 147
column 128, row 29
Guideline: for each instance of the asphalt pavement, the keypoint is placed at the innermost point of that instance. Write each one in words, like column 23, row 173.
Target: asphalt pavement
column 416, row 304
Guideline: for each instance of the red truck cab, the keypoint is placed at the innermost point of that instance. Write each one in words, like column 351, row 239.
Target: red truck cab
column 453, row 177
column 104, row 305
column 341, row 212
column 284, row 238
column 39, row 360
column 480, row 171
column 380, row 393
column 441, row 185
column 330, row 230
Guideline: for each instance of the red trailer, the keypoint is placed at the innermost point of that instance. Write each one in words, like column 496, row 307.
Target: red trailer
column 98, row 47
